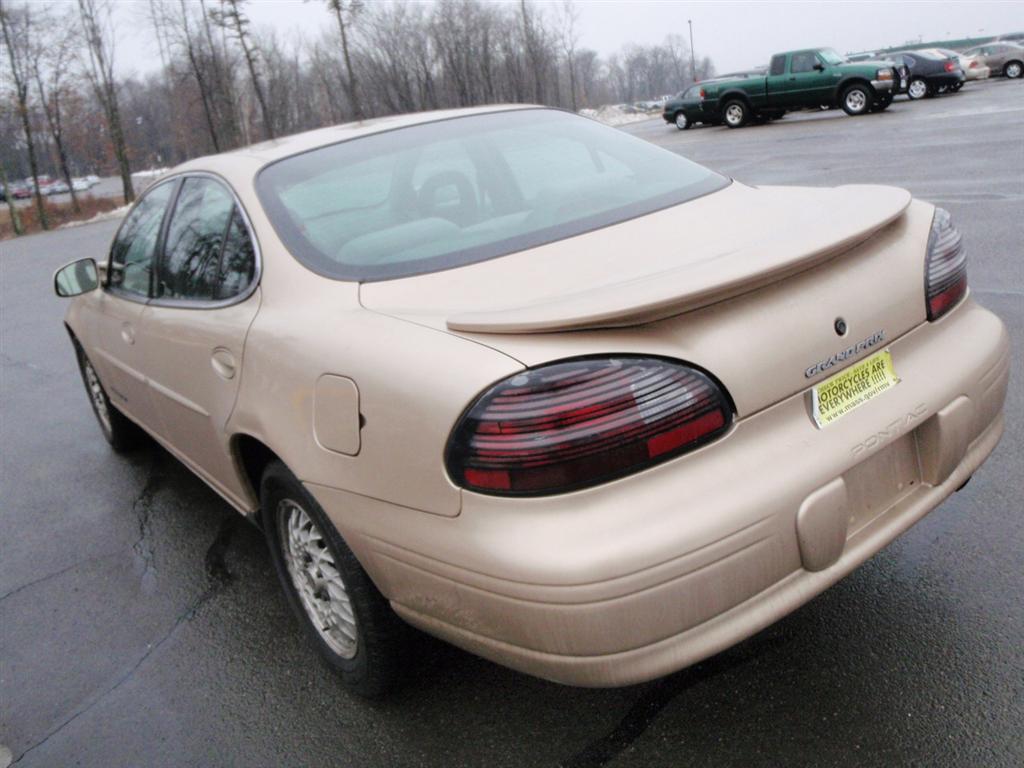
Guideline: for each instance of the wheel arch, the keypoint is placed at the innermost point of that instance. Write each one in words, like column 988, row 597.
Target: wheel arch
column 1007, row 64
column 251, row 456
column 850, row 81
column 734, row 95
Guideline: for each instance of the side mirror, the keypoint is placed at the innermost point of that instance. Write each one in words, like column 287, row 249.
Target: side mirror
column 76, row 278
column 819, row 67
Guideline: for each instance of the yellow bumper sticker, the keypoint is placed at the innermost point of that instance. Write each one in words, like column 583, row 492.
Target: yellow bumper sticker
column 837, row 395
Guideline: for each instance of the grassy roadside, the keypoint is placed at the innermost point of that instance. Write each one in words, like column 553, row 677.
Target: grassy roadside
column 58, row 214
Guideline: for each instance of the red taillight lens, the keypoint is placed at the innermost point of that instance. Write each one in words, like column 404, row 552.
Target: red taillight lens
column 945, row 266
column 950, row 66
column 568, row 425
column 702, row 94
column 973, row 64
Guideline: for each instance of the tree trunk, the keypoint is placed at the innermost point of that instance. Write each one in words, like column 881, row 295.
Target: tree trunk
column 353, row 95
column 12, row 209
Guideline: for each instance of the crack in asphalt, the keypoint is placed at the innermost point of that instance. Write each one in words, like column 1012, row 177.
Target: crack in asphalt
column 653, row 699
column 142, row 508
column 61, row 572
column 219, row 578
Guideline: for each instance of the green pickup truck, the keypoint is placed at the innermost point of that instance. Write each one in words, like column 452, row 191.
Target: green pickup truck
column 811, row 77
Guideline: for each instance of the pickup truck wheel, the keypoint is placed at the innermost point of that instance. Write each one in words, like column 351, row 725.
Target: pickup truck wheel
column 682, row 123
column 917, row 89
column 349, row 621
column 736, row 113
column 1013, row 69
column 857, row 99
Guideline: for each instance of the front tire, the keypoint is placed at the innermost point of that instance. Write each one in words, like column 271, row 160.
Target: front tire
column 682, row 122
column 857, row 99
column 917, row 89
column 347, row 618
column 736, row 113
column 1013, row 69
column 118, row 430
column 882, row 104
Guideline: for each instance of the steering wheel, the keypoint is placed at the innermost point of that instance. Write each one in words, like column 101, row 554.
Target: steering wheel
column 464, row 214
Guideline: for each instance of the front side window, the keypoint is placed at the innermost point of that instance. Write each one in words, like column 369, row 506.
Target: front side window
column 131, row 256
column 208, row 254
column 803, row 62
column 453, row 192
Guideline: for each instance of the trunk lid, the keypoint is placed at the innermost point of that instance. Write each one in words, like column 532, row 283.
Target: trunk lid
column 746, row 283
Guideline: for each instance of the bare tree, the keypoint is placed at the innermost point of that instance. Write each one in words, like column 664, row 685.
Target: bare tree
column 97, row 26
column 50, row 65
column 18, row 35
column 230, row 16
column 345, row 12
column 570, row 39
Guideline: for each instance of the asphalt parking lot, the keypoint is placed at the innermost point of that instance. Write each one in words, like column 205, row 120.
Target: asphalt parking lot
column 141, row 623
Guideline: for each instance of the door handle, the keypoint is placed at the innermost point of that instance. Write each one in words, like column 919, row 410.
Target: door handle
column 223, row 363
column 128, row 333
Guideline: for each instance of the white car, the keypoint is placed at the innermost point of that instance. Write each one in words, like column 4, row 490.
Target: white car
column 974, row 67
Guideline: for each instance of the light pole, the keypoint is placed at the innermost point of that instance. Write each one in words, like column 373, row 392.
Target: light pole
column 693, row 61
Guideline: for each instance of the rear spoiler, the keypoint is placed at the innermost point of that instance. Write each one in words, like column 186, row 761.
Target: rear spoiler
column 850, row 219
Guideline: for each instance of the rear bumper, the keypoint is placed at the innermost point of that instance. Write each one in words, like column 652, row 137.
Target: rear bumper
column 638, row 578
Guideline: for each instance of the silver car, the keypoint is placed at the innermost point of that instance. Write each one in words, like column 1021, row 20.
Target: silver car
column 1002, row 58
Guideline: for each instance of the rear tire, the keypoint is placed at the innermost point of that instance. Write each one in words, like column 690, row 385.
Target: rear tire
column 917, row 89
column 350, row 623
column 735, row 113
column 118, row 430
column 857, row 99
column 1013, row 69
column 682, row 122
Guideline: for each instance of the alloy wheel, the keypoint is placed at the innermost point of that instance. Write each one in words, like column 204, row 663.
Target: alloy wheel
column 856, row 100
column 681, row 122
column 98, row 397
column 917, row 89
column 317, row 581
column 1013, row 70
column 734, row 114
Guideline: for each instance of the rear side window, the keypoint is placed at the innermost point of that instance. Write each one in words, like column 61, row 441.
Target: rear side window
column 803, row 62
column 778, row 65
column 131, row 256
column 208, row 254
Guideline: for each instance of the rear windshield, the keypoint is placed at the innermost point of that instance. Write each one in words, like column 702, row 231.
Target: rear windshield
column 453, row 192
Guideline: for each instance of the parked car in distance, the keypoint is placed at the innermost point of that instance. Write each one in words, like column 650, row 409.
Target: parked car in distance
column 92, row 179
column 1003, row 58
column 20, row 191
column 803, row 79
column 973, row 67
column 56, row 187
column 342, row 332
column 930, row 73
column 687, row 107
column 80, row 185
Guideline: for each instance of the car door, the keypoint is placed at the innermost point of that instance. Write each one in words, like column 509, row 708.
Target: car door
column 810, row 80
column 205, row 297
column 122, row 302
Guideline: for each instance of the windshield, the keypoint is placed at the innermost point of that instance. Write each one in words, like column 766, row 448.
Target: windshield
column 453, row 192
column 830, row 56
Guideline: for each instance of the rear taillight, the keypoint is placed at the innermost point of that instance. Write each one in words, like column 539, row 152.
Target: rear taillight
column 945, row 266
column 702, row 94
column 973, row 64
column 950, row 66
column 580, row 422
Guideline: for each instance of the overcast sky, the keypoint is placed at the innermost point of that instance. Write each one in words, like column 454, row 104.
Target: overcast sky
column 735, row 35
